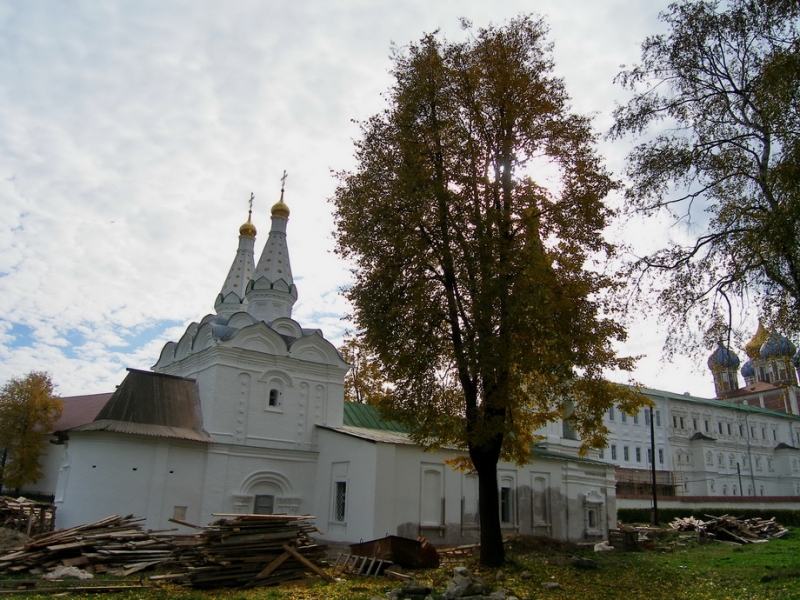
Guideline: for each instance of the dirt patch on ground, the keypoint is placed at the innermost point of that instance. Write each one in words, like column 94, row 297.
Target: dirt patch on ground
column 10, row 538
column 539, row 544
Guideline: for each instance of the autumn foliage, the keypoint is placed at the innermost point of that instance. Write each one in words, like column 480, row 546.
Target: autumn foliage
column 29, row 408
column 475, row 220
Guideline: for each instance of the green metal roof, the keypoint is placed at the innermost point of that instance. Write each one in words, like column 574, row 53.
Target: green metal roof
column 366, row 416
column 731, row 405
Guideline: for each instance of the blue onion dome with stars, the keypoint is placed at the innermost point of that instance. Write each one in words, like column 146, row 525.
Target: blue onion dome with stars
column 748, row 370
column 777, row 346
column 722, row 358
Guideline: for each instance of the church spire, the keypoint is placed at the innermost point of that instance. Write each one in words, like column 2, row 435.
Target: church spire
column 232, row 297
column 271, row 292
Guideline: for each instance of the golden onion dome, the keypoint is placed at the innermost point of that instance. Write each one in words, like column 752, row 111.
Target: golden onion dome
column 279, row 209
column 753, row 347
column 248, row 229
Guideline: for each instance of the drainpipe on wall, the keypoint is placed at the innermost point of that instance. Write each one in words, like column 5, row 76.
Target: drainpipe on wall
column 749, row 455
column 653, row 467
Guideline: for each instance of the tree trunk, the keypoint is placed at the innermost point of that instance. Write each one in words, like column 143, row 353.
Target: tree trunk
column 492, row 551
column 3, row 468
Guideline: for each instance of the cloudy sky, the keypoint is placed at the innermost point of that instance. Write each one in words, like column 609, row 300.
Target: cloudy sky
column 133, row 132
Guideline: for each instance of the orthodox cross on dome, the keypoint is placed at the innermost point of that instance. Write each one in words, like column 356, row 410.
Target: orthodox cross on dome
column 283, row 181
column 250, row 202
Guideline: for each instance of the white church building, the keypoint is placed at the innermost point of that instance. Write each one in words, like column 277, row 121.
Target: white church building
column 246, row 414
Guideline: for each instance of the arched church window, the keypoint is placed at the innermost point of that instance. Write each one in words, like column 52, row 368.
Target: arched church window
column 274, row 397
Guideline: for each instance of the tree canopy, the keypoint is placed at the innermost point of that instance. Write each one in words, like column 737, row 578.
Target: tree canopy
column 29, row 408
column 723, row 89
column 364, row 382
column 475, row 219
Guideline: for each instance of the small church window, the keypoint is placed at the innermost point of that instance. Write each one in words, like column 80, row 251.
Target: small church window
column 340, row 501
column 274, row 396
column 264, row 504
column 506, row 504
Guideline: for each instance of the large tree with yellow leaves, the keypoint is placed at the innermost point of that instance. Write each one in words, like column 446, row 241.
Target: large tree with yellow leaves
column 29, row 408
column 475, row 220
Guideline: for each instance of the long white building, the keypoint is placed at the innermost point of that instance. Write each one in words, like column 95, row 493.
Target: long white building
column 706, row 452
column 245, row 413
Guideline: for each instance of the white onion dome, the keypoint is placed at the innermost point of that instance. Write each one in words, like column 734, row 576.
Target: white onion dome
column 722, row 358
column 777, row 346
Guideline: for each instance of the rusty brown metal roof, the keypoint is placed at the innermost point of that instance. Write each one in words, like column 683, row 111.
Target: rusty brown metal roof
column 79, row 410
column 156, row 404
column 180, row 433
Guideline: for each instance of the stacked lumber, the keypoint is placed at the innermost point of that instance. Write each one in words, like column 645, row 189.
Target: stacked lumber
column 247, row 551
column 115, row 545
column 26, row 516
column 742, row 531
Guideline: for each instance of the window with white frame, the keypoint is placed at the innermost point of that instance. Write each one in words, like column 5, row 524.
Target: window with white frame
column 431, row 495
column 340, row 501
column 339, row 498
column 507, row 504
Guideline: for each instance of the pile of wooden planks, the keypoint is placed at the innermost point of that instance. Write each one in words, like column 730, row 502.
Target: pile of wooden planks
column 247, row 551
column 26, row 516
column 115, row 545
column 728, row 528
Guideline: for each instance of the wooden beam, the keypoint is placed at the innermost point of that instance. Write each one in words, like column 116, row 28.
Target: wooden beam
column 308, row 563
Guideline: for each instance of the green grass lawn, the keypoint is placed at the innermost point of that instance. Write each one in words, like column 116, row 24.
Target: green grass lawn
column 708, row 571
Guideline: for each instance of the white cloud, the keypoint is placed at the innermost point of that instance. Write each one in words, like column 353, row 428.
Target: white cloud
column 134, row 132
